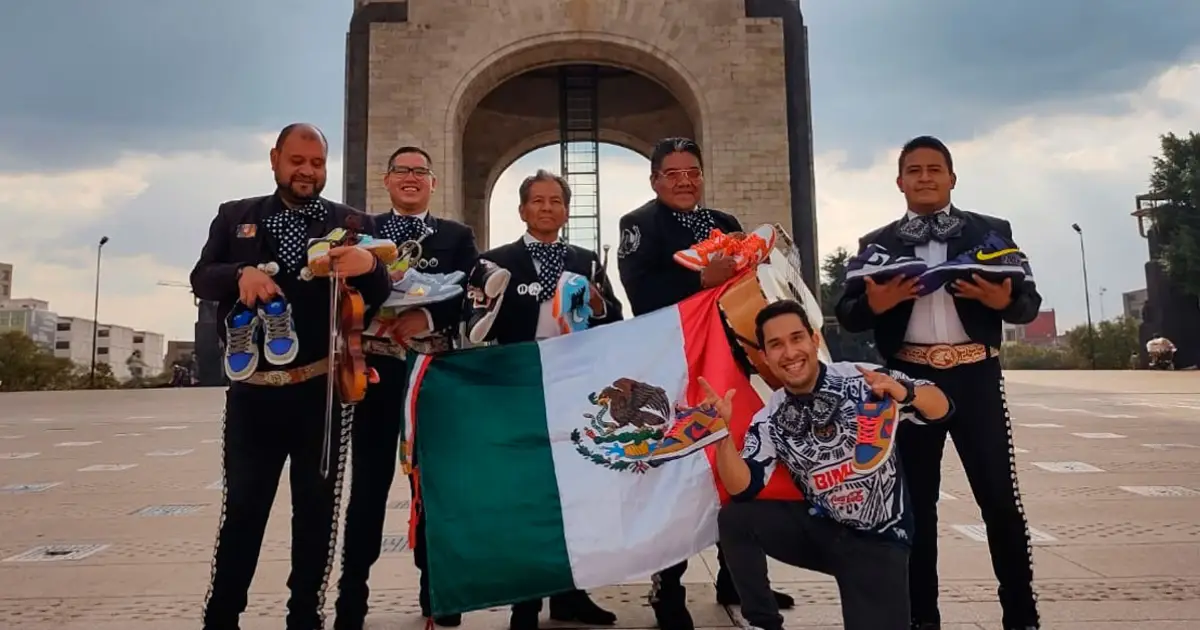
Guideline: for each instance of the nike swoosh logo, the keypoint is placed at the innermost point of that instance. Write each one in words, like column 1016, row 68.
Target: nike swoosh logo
column 980, row 256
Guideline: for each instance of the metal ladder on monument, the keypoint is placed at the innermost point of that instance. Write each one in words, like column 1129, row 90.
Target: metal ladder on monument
column 579, row 141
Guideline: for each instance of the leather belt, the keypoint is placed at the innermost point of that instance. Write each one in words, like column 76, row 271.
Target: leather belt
column 384, row 347
column 944, row 356
column 280, row 378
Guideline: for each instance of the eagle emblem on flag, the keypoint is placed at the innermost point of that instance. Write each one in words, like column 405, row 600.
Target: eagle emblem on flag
column 636, row 428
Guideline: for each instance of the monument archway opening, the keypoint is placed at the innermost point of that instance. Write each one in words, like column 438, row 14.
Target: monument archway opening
column 572, row 108
column 624, row 176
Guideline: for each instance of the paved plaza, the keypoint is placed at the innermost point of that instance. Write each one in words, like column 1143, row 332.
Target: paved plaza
column 109, row 503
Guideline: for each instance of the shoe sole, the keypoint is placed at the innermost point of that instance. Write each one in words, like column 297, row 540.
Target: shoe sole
column 493, row 289
column 885, row 273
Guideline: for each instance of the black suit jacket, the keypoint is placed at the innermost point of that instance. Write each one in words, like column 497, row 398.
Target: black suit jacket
column 450, row 247
column 237, row 238
column 982, row 324
column 650, row 236
column 517, row 318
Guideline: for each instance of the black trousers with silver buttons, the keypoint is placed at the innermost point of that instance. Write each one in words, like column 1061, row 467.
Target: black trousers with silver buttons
column 982, row 434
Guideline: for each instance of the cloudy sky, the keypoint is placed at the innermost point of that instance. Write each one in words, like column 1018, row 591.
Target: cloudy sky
column 136, row 118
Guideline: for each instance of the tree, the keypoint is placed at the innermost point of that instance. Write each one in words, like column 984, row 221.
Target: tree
column 843, row 346
column 26, row 366
column 1176, row 177
column 1115, row 339
column 1023, row 356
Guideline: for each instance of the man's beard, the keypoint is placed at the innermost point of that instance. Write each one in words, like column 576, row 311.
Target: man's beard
column 289, row 190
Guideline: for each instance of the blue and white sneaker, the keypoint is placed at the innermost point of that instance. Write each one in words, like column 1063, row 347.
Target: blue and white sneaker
column 418, row 289
column 280, row 344
column 241, row 351
column 571, row 306
column 876, row 263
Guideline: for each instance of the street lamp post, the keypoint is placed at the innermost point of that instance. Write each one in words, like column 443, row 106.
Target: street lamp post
column 1087, row 299
column 96, row 312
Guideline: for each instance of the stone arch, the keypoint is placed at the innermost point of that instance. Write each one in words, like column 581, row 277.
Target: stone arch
column 470, row 120
column 545, row 139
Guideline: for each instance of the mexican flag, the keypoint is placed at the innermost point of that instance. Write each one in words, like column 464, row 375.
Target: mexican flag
column 553, row 465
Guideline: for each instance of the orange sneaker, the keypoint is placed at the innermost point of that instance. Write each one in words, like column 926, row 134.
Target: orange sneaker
column 876, row 434
column 755, row 247
column 694, row 429
column 697, row 256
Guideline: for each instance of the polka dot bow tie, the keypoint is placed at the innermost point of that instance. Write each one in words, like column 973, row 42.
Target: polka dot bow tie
column 699, row 221
column 400, row 228
column 940, row 227
column 551, row 259
column 290, row 229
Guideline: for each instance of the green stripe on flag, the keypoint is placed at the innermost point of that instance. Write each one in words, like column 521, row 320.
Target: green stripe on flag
column 487, row 480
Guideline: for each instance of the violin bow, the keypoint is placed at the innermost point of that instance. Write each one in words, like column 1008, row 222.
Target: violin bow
column 335, row 334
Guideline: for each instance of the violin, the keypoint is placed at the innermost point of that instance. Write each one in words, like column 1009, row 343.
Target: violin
column 349, row 374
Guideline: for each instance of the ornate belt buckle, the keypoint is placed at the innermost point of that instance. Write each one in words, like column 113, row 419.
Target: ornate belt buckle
column 277, row 379
column 941, row 356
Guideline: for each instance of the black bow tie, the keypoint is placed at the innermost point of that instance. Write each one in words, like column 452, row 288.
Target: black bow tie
column 552, row 259
column 940, row 227
column 400, row 228
column 700, row 221
column 290, row 229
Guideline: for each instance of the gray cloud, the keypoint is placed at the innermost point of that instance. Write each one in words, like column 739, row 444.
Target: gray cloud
column 95, row 78
column 884, row 71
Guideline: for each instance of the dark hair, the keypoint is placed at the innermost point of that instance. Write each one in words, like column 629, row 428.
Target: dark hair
column 667, row 146
column 925, row 142
column 287, row 131
column 542, row 175
column 779, row 309
column 408, row 149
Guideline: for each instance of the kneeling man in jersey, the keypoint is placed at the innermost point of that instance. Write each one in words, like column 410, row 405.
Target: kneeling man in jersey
column 832, row 426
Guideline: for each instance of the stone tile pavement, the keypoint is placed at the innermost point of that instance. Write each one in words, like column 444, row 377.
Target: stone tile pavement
column 1110, row 471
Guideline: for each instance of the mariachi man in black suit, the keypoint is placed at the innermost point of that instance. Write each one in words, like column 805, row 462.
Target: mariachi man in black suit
column 650, row 236
column 273, row 412
column 446, row 246
column 944, row 325
column 546, row 274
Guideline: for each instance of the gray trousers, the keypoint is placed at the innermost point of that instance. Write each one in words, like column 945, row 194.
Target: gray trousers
column 872, row 573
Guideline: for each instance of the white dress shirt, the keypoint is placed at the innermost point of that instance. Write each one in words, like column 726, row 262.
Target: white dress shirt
column 934, row 318
column 547, row 325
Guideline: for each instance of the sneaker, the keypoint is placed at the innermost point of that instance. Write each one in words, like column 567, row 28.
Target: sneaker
column 877, row 264
column 694, row 429
column 383, row 249
column 697, row 256
column 876, row 434
column 570, row 304
column 485, row 292
column 280, row 343
column 417, row 289
column 995, row 260
column 241, row 349
column 318, row 251
column 756, row 246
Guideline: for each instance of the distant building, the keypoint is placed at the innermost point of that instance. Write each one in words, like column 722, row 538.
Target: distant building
column 32, row 304
column 1042, row 331
column 180, row 351
column 1134, row 303
column 6, row 275
column 150, row 346
column 38, row 324
column 125, row 350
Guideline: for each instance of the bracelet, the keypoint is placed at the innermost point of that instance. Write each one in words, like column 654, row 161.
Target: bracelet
column 911, row 395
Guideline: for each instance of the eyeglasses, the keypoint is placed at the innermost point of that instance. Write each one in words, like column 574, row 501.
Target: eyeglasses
column 677, row 174
column 402, row 171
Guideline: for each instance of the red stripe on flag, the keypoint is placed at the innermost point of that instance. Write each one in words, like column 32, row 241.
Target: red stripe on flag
column 709, row 355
